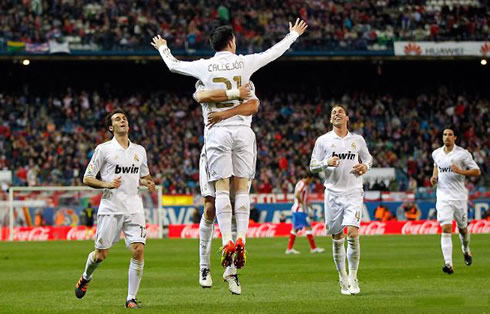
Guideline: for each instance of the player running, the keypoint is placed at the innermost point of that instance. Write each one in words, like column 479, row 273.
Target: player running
column 344, row 158
column 123, row 167
column 299, row 211
column 451, row 164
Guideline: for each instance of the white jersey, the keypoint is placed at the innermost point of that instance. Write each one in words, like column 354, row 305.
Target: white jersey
column 450, row 185
column 113, row 161
column 351, row 150
column 302, row 189
column 206, row 107
column 227, row 70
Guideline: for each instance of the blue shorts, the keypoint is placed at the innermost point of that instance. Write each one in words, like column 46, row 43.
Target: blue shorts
column 299, row 220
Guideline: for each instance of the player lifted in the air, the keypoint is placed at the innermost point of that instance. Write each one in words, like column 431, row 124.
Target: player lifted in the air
column 230, row 144
column 344, row 158
column 451, row 164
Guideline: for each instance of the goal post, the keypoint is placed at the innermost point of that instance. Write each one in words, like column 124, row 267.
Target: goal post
column 57, row 207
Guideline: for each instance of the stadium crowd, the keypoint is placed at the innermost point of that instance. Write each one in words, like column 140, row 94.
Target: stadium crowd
column 333, row 25
column 49, row 140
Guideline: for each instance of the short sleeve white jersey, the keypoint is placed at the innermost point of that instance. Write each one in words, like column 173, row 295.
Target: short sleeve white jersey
column 302, row 190
column 112, row 161
column 450, row 185
column 227, row 70
column 351, row 150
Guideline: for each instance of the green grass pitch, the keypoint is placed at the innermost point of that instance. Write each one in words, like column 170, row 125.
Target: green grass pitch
column 398, row 274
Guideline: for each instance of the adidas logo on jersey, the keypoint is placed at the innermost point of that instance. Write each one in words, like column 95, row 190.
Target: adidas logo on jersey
column 446, row 169
column 131, row 169
column 347, row 155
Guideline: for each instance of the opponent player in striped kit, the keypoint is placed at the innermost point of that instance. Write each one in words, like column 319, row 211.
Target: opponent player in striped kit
column 451, row 164
column 344, row 158
column 299, row 212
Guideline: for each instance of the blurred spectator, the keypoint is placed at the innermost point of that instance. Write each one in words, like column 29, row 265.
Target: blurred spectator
column 196, row 215
column 412, row 212
column 39, row 220
column 282, row 218
column 87, row 216
column 254, row 214
column 382, row 213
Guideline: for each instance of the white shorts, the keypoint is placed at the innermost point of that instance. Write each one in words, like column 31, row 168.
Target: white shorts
column 207, row 188
column 452, row 209
column 343, row 210
column 109, row 229
column 231, row 151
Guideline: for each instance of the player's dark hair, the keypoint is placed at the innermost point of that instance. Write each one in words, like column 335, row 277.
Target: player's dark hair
column 308, row 174
column 340, row 106
column 108, row 119
column 450, row 127
column 220, row 37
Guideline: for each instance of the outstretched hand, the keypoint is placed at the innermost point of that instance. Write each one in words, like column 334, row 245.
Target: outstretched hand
column 158, row 41
column 299, row 27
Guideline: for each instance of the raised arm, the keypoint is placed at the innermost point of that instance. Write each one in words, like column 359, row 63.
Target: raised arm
column 190, row 68
column 258, row 60
column 248, row 108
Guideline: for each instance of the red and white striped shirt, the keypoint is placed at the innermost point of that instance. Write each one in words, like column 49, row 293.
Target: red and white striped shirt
column 300, row 189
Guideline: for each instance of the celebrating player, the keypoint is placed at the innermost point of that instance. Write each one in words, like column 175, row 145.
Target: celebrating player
column 230, row 145
column 344, row 158
column 451, row 164
column 123, row 167
column 206, row 225
column 300, row 214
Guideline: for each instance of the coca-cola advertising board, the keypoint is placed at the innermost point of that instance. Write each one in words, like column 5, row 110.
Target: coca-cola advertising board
column 259, row 230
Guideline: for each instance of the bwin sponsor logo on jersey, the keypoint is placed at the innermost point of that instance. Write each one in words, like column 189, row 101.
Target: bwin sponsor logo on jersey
column 131, row 169
column 445, row 169
column 348, row 155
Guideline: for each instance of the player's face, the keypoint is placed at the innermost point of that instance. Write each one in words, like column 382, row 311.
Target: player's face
column 338, row 117
column 448, row 137
column 120, row 123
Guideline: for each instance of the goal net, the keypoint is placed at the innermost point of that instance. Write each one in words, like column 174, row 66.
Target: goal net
column 63, row 213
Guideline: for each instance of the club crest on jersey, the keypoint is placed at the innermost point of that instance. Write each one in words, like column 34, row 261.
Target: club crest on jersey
column 136, row 157
column 130, row 169
column 349, row 155
column 445, row 169
column 353, row 145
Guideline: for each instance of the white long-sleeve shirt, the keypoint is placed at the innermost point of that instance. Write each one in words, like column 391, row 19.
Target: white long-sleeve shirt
column 450, row 185
column 227, row 70
column 351, row 150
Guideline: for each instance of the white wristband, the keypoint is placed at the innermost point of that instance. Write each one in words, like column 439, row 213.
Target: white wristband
column 233, row 94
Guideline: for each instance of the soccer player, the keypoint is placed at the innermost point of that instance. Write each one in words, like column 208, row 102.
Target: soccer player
column 206, row 225
column 300, row 214
column 123, row 167
column 344, row 158
column 230, row 146
column 451, row 164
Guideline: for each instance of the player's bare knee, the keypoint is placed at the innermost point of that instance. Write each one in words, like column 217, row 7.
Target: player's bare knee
column 352, row 232
column 241, row 185
column 137, row 250
column 463, row 231
column 101, row 255
column 223, row 184
column 338, row 236
column 447, row 228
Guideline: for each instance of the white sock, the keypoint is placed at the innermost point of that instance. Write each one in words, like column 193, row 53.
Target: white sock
column 353, row 256
column 224, row 213
column 135, row 273
column 465, row 242
column 339, row 256
column 447, row 248
column 90, row 266
column 242, row 213
column 206, row 228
